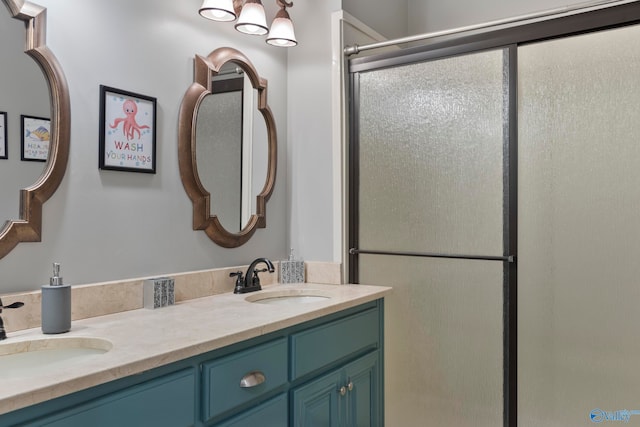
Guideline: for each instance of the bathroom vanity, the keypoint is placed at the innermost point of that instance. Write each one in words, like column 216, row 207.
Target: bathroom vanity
column 313, row 357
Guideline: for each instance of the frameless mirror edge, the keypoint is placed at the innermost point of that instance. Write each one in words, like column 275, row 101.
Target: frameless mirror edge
column 204, row 69
column 28, row 228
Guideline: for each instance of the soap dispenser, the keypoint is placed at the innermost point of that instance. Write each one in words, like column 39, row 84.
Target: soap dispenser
column 56, row 304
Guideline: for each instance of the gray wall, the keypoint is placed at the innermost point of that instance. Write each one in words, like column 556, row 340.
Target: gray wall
column 106, row 225
column 309, row 116
column 389, row 18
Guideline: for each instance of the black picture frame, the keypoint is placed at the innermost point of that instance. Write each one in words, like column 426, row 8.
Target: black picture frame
column 127, row 131
column 35, row 135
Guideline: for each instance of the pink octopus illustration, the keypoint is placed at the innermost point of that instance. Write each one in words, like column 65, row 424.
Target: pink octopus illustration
column 130, row 125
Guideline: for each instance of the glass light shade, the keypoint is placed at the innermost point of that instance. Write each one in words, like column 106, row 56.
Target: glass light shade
column 252, row 19
column 281, row 33
column 218, row 10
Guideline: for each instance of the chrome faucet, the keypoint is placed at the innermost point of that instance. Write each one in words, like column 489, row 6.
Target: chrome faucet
column 251, row 282
column 3, row 333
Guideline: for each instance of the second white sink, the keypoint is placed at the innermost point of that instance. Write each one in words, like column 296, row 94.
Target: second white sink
column 289, row 296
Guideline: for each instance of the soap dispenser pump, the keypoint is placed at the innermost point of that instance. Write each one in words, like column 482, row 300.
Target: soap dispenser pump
column 56, row 304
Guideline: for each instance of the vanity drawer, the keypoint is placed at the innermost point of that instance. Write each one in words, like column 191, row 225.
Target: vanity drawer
column 263, row 368
column 326, row 344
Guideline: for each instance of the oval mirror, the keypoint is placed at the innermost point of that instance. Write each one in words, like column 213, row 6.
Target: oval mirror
column 227, row 147
column 34, row 124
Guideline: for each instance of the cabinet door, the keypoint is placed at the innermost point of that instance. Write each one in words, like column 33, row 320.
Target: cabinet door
column 348, row 397
column 363, row 392
column 317, row 404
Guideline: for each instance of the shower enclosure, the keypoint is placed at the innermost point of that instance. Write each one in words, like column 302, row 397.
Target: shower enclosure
column 495, row 185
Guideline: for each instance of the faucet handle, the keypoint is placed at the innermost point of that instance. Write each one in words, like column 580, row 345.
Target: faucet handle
column 255, row 280
column 13, row 305
column 239, row 281
column 17, row 304
column 3, row 333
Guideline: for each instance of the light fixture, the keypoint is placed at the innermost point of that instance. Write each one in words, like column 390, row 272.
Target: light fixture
column 218, row 10
column 252, row 19
column 281, row 33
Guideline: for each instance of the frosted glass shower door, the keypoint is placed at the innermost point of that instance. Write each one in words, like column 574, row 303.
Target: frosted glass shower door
column 579, row 229
column 430, row 145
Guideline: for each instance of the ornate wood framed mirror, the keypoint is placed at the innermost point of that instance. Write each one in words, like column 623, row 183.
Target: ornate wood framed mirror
column 224, row 149
column 28, row 226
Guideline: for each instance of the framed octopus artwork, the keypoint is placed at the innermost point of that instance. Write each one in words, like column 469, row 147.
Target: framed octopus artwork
column 127, row 131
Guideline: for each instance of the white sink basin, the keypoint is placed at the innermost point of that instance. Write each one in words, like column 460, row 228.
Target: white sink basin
column 289, row 296
column 37, row 357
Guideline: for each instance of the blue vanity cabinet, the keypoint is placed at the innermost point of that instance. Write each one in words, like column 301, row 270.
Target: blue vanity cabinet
column 321, row 373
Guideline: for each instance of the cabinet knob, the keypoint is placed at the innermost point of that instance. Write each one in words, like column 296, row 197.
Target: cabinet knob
column 343, row 391
column 252, row 379
column 350, row 386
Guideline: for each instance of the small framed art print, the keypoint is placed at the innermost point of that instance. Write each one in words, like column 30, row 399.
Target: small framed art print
column 127, row 131
column 35, row 137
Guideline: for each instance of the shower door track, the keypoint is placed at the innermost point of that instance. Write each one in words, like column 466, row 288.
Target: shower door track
column 564, row 11
column 506, row 258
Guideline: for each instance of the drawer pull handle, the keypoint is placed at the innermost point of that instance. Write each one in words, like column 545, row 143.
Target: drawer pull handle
column 252, row 379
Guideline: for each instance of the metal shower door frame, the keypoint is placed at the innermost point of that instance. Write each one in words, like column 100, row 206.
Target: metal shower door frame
column 508, row 258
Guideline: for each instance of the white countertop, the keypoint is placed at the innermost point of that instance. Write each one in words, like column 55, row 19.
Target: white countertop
column 145, row 339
